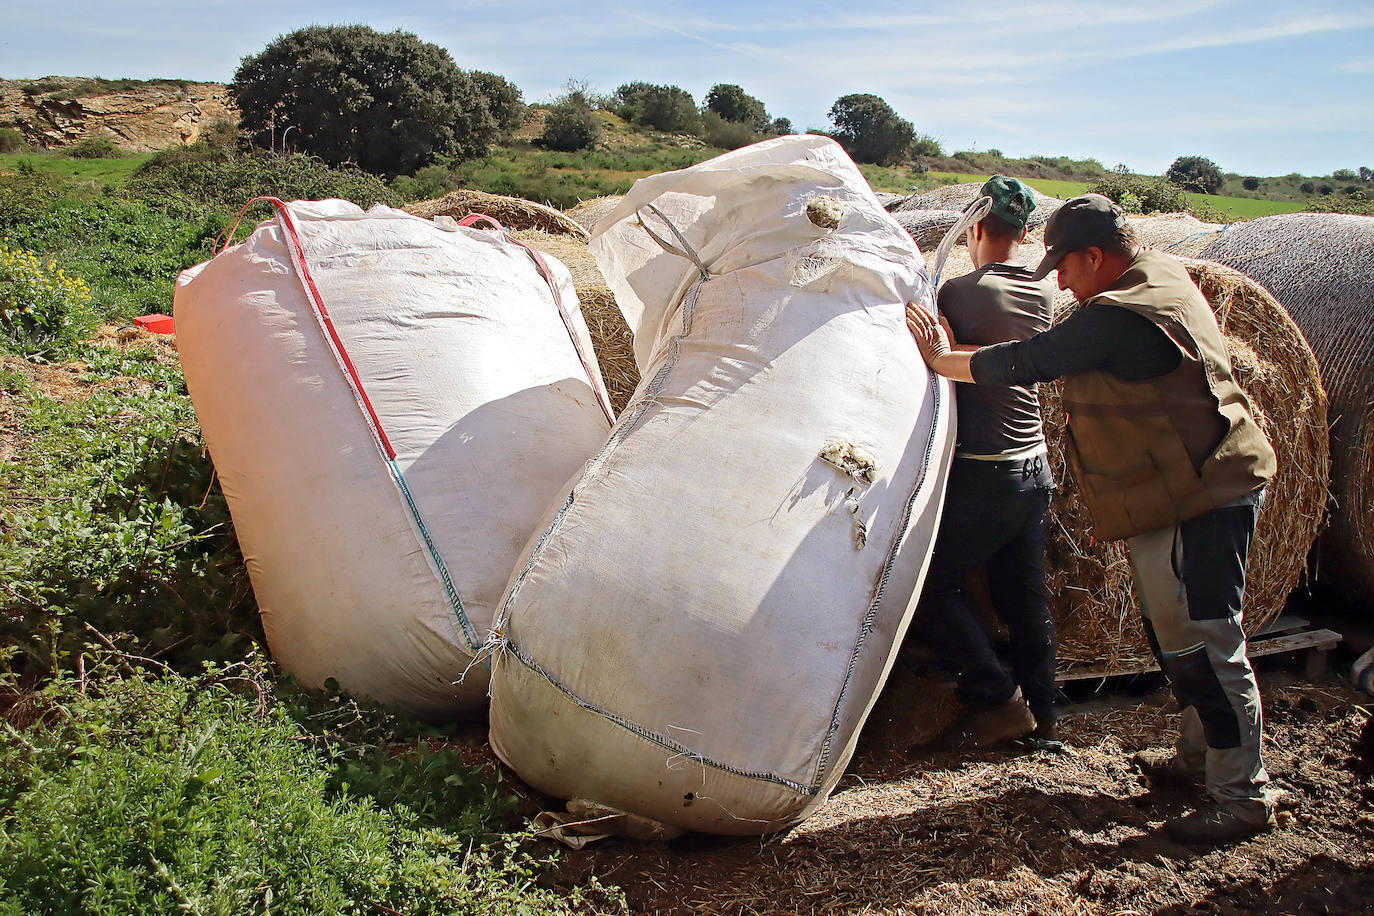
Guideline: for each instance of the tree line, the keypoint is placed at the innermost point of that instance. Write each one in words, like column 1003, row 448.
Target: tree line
column 391, row 103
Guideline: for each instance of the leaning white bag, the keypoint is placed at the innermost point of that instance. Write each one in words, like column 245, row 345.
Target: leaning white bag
column 390, row 406
column 701, row 625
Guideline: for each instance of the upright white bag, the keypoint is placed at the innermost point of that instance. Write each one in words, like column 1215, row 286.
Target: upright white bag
column 701, row 625
column 390, row 406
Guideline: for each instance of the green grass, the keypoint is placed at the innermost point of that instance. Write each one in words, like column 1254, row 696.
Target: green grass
column 1239, row 208
column 91, row 173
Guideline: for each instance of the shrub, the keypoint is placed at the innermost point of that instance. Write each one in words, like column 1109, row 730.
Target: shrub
column 40, row 306
column 571, row 124
column 1360, row 203
column 1344, row 174
column 1251, row 184
column 666, row 108
column 1308, row 187
column 732, row 103
column 93, row 148
column 724, row 134
column 12, row 141
column 781, row 127
column 193, row 179
column 1195, row 173
column 1142, row 193
column 24, row 194
column 870, row 130
column 926, row 145
column 173, row 795
column 389, row 102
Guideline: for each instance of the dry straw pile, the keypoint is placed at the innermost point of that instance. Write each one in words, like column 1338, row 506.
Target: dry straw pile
column 1321, row 267
column 589, row 212
column 957, row 196
column 1090, row 581
column 610, row 334
column 511, row 212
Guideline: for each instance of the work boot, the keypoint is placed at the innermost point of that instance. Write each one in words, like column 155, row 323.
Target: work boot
column 1168, row 767
column 1045, row 737
column 1004, row 722
column 1221, row 823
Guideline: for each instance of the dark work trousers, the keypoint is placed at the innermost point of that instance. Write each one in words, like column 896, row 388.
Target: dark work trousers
column 1190, row 579
column 994, row 517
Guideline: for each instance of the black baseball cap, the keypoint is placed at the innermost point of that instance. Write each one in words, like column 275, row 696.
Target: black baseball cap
column 1083, row 222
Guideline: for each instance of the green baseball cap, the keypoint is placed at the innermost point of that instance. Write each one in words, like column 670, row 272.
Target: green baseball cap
column 1083, row 221
column 1012, row 201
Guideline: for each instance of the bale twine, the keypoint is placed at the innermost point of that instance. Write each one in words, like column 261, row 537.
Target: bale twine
column 1321, row 267
column 611, row 337
column 512, row 212
column 589, row 212
column 1091, row 595
column 1180, row 234
column 957, row 196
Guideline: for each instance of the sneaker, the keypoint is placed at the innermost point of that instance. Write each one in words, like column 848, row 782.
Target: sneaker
column 1220, row 824
column 997, row 724
column 1045, row 738
column 1167, row 767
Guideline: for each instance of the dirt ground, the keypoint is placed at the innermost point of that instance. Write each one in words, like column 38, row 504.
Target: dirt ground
column 934, row 830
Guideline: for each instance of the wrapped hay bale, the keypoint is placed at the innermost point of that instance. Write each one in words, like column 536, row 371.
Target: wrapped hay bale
column 390, row 406
column 511, row 212
column 589, row 212
column 957, row 196
column 1180, row 234
column 778, row 475
column 1320, row 266
column 611, row 336
column 926, row 227
column 1091, row 595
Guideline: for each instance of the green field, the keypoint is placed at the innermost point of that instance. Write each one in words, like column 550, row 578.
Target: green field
column 96, row 171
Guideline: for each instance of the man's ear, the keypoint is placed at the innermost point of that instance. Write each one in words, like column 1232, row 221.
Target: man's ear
column 1094, row 256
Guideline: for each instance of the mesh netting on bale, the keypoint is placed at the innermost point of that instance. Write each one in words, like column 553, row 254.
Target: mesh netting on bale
column 957, row 196
column 511, row 212
column 1321, row 267
column 589, row 212
column 1180, row 234
column 926, row 227
column 611, row 337
column 1090, row 588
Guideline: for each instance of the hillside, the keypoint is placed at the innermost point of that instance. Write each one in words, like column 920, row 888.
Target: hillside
column 136, row 115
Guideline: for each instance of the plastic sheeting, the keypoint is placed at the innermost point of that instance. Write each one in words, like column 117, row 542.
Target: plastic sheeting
column 701, row 625
column 384, row 573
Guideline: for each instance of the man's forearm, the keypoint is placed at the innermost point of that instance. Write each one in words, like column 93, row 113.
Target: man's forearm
column 954, row 364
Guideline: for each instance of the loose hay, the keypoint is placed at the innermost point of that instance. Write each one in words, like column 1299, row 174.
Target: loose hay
column 926, row 227
column 1092, row 601
column 1321, row 267
column 512, row 212
column 611, row 337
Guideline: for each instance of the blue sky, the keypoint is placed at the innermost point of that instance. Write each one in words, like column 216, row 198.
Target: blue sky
column 1259, row 87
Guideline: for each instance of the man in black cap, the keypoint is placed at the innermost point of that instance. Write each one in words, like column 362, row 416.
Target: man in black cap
column 1166, row 453
column 998, row 494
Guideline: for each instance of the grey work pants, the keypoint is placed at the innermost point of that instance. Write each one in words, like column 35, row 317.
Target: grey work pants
column 1189, row 580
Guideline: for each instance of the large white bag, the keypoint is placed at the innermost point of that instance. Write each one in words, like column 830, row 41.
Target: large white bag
column 700, row 627
column 390, row 406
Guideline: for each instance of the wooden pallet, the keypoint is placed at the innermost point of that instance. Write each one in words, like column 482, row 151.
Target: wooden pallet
column 1286, row 633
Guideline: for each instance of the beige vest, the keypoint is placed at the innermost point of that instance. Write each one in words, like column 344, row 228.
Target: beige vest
column 1151, row 454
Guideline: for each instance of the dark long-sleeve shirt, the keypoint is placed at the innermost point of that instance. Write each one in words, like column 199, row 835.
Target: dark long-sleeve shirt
column 1095, row 337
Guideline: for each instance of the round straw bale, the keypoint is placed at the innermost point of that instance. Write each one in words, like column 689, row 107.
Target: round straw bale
column 1321, row 267
column 957, row 196
column 1180, row 234
column 611, row 337
column 511, row 212
column 1090, row 584
column 589, row 212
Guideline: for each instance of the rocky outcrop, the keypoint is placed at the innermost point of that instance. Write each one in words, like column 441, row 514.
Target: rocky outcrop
column 56, row 112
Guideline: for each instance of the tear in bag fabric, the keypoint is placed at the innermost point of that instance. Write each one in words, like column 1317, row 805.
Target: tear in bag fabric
column 390, row 406
column 700, row 626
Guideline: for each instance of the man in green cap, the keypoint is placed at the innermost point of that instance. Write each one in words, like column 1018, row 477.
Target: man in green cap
column 998, row 494
column 1166, row 453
